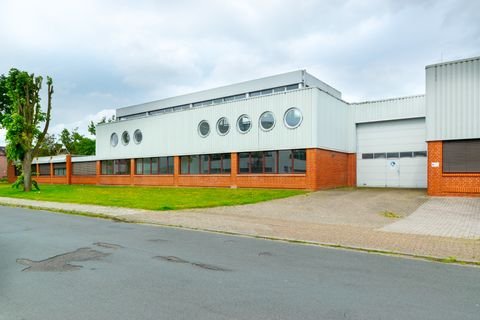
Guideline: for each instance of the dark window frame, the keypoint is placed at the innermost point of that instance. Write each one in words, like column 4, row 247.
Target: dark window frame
column 223, row 159
column 113, row 167
column 170, row 168
column 461, row 156
column 293, row 169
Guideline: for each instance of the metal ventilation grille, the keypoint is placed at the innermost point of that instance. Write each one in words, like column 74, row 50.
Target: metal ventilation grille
column 84, row 168
column 461, row 156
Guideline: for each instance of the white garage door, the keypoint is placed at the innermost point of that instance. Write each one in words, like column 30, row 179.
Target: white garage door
column 392, row 154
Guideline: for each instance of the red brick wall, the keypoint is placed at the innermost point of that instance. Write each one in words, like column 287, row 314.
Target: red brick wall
column 452, row 184
column 83, row 180
column 325, row 169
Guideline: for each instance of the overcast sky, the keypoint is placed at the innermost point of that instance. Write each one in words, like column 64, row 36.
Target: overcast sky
column 108, row 54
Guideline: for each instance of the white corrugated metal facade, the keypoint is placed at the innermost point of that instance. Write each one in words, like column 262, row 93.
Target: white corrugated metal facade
column 453, row 100
column 177, row 133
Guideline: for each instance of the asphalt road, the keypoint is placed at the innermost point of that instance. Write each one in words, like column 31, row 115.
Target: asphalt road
column 55, row 266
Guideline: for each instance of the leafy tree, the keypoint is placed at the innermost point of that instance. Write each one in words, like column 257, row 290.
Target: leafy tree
column 76, row 143
column 50, row 146
column 92, row 127
column 22, row 116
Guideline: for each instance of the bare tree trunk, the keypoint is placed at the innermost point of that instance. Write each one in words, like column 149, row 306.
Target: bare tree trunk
column 27, row 171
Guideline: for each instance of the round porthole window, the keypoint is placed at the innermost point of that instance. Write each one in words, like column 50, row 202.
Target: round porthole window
column 223, row 126
column 244, row 124
column 293, row 118
column 267, row 121
column 203, row 128
column 114, row 139
column 125, row 138
column 137, row 136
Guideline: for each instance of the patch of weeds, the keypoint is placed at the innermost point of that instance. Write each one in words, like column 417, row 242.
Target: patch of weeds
column 450, row 260
column 164, row 208
column 390, row 214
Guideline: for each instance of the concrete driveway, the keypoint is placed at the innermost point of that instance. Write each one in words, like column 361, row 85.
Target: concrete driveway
column 444, row 217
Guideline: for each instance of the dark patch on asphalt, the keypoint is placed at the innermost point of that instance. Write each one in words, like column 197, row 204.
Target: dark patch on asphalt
column 172, row 259
column 195, row 264
column 229, row 241
column 108, row 245
column 158, row 240
column 209, row 267
column 265, row 253
column 62, row 262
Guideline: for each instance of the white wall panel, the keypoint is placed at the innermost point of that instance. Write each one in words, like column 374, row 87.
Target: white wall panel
column 330, row 119
column 453, row 100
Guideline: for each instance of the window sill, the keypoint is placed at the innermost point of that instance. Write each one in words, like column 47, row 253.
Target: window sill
column 271, row 174
column 205, row 175
column 461, row 174
column 154, row 175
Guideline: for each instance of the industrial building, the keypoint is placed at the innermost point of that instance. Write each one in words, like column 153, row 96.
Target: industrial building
column 292, row 131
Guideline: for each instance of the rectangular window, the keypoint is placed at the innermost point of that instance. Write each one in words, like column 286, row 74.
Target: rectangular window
column 226, row 163
column 216, row 163
column 367, row 155
column 116, row 167
column 184, row 164
column 139, row 166
column 194, row 164
column 283, row 161
column 60, row 169
column 256, row 162
column 461, row 156
column 419, row 154
column 270, row 161
column 392, row 155
column 107, row 166
column 147, row 166
column 243, row 162
column 299, row 161
column 84, row 168
column 255, row 93
column 292, row 87
column 379, row 155
column 153, row 166
column 34, row 169
column 278, row 89
column 163, row 167
column 44, row 169
column 268, row 91
column 205, row 164
column 406, row 154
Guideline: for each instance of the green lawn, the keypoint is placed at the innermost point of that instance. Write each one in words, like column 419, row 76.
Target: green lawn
column 150, row 198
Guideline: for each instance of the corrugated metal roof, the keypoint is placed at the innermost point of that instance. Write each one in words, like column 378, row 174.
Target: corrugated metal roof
column 452, row 62
column 294, row 77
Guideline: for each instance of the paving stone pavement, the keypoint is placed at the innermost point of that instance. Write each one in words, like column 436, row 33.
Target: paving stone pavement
column 349, row 218
column 444, row 217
